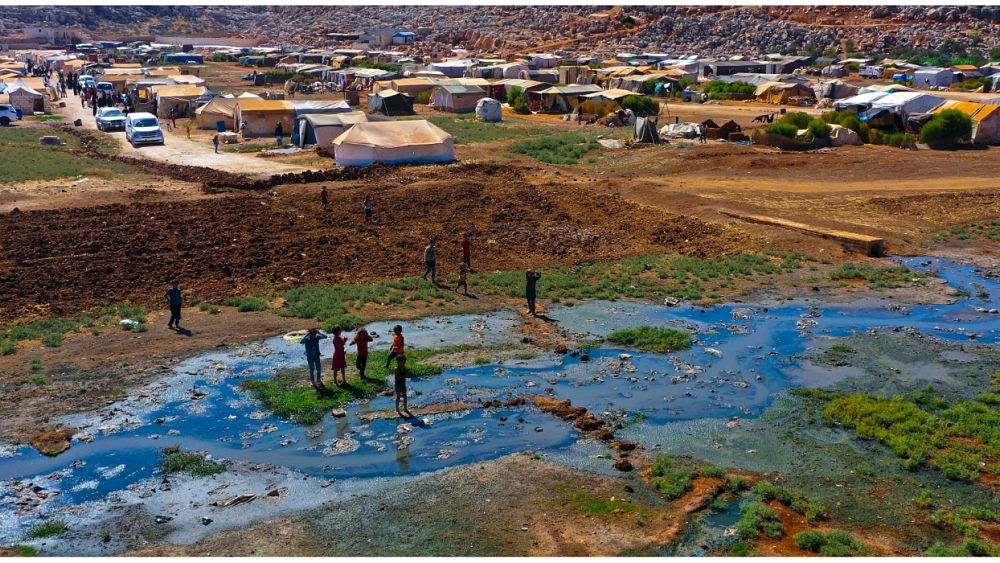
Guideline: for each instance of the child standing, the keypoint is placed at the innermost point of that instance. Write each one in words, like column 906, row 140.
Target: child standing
column 339, row 355
column 463, row 274
column 398, row 347
column 399, row 386
column 361, row 340
column 311, row 343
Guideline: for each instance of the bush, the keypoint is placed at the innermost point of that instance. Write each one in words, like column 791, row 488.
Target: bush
column 718, row 90
column 784, row 129
column 600, row 109
column 177, row 461
column 671, row 481
column 948, row 127
column 799, row 119
column 757, row 518
column 810, row 541
column 653, row 339
column 819, row 129
column 898, row 140
column 514, row 95
column 425, row 96
column 641, row 105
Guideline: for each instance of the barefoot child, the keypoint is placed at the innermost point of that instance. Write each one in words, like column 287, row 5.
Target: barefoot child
column 398, row 347
column 311, row 343
column 361, row 340
column 339, row 355
column 463, row 275
column 400, row 387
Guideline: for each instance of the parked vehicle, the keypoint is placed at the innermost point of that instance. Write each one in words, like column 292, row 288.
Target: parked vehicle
column 106, row 87
column 87, row 81
column 8, row 114
column 110, row 119
column 143, row 129
column 870, row 72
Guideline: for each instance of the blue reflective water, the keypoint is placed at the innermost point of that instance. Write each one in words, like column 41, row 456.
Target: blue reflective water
column 740, row 359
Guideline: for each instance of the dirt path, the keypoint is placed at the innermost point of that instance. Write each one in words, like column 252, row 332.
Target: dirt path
column 180, row 150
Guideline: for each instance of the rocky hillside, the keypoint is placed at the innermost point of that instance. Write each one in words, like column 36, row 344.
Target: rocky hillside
column 709, row 30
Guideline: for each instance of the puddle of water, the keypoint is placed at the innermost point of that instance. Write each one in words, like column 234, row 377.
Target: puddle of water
column 739, row 361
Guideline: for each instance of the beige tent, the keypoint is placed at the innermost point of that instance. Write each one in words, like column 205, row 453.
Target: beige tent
column 458, row 98
column 411, row 86
column 321, row 129
column 219, row 109
column 393, row 142
column 262, row 116
column 27, row 99
column 985, row 119
column 176, row 95
column 783, row 92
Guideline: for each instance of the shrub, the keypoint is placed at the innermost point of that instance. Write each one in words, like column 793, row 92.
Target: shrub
column 671, row 481
column 246, row 304
column 810, row 541
column 718, row 90
column 819, row 129
column 177, row 461
column 48, row 529
column 655, row 339
column 641, row 105
column 784, row 129
column 947, row 127
column 757, row 518
column 425, row 96
column 52, row 339
column 799, row 119
column 514, row 95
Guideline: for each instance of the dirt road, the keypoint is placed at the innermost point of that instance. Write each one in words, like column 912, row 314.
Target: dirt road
column 180, row 150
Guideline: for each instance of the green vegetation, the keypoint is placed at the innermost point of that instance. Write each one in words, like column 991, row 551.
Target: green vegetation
column 23, row 159
column 835, row 543
column 289, row 395
column 946, row 128
column 641, row 105
column 589, row 503
column 247, row 304
column 842, row 349
column 247, row 147
column 898, row 140
column 850, row 120
column 799, row 119
column 818, row 129
column 960, row 439
column 880, row 277
column 176, row 461
column 669, row 478
column 801, row 504
column 719, row 90
column 468, row 129
column 381, row 66
column 981, row 231
column 23, row 551
column 973, row 84
column 969, row 548
column 518, row 101
column 654, row 339
column 209, row 308
column 784, row 129
column 52, row 331
column 46, row 117
column 48, row 529
column 559, row 148
column 757, row 518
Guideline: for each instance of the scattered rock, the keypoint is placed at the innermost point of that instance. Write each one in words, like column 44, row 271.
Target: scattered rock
column 623, row 465
column 53, row 441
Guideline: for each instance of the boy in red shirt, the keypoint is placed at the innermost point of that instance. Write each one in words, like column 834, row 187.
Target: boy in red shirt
column 361, row 340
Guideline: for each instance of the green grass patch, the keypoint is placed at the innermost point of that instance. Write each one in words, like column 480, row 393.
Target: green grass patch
column 586, row 502
column 209, row 308
column 835, row 543
column 23, row 159
column 671, row 479
column 24, row 551
column 468, row 130
column 879, row 277
column 247, row 304
column 48, row 529
column 653, row 339
column 799, row 503
column 177, row 461
column 46, row 118
column 289, row 395
column 51, row 332
column 756, row 519
column 559, row 148
column 247, row 147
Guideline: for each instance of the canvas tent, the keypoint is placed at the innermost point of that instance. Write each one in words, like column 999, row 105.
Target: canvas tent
column 612, row 95
column 933, row 77
column 390, row 102
column 458, row 98
column 322, row 129
column 303, row 107
column 985, row 119
column 835, row 90
column 905, row 104
column 489, row 110
column 644, row 131
column 410, row 86
column 262, row 116
column 393, row 142
column 218, row 109
column 176, row 95
column 26, row 98
column 783, row 93
column 563, row 99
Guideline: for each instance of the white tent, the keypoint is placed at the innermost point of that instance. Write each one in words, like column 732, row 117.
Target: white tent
column 489, row 110
column 393, row 142
column 860, row 102
column 906, row 104
column 321, row 129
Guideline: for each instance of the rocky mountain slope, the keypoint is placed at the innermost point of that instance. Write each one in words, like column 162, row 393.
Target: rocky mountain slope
column 710, row 30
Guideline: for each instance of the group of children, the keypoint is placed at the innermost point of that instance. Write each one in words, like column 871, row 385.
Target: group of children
column 397, row 352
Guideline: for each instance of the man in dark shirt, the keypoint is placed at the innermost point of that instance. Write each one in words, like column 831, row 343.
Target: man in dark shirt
column 466, row 251
column 174, row 300
column 529, row 289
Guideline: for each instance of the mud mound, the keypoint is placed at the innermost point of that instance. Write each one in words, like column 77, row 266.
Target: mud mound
column 53, row 441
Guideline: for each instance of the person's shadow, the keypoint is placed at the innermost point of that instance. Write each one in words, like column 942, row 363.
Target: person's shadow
column 183, row 331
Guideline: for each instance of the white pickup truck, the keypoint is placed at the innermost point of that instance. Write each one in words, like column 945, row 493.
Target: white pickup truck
column 870, row 72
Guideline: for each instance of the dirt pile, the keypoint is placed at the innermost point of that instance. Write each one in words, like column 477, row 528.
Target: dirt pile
column 53, row 441
column 66, row 260
column 587, row 423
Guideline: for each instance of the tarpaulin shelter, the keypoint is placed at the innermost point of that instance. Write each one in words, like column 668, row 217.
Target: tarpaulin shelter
column 321, row 129
column 303, row 107
column 644, row 131
column 783, row 92
column 489, row 110
column 836, row 89
column 262, row 116
column 218, row 109
column 563, row 99
column 393, row 142
column 410, row 86
column 177, row 96
column 455, row 97
column 390, row 102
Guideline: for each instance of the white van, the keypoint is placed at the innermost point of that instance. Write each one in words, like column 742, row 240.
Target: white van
column 143, row 129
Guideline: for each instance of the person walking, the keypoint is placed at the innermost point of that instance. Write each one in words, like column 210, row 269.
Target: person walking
column 361, row 340
column 399, row 388
column 530, row 290
column 311, row 343
column 463, row 274
column 175, row 300
column 466, row 251
column 368, row 208
column 398, row 347
column 324, row 198
column 430, row 262
column 703, row 134
column 173, row 117
column 93, row 105
column 339, row 362
column 279, row 135
column 215, row 141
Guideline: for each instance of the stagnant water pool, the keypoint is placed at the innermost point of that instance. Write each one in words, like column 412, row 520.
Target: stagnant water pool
column 741, row 358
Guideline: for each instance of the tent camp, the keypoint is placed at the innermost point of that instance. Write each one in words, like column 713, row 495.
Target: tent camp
column 177, row 96
column 262, row 116
column 612, row 95
column 985, row 119
column 905, row 104
column 933, row 77
column 784, row 93
column 860, row 102
column 458, row 98
column 390, row 102
column 322, row 129
column 219, row 109
column 411, row 86
column 452, row 68
column 393, row 142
